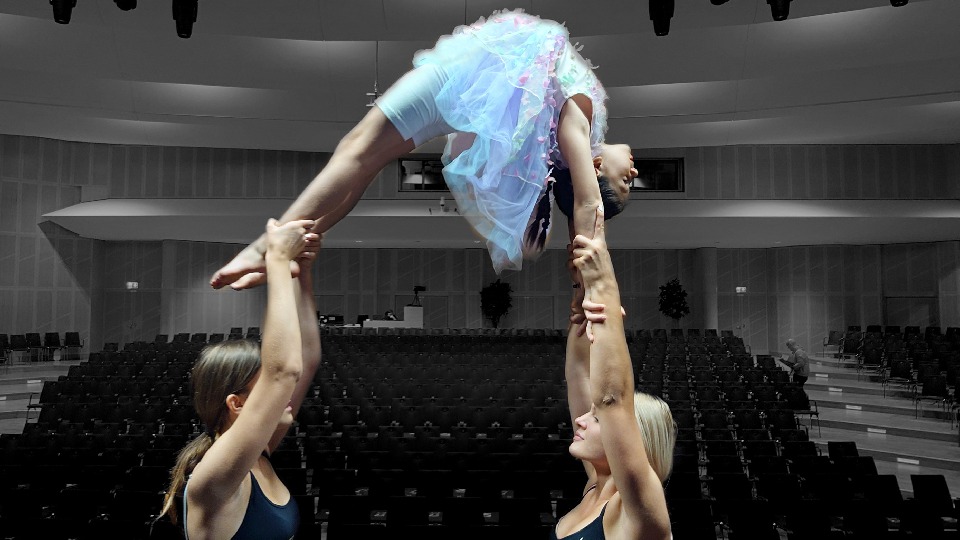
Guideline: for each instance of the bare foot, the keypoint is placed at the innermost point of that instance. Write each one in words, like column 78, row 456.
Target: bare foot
column 255, row 279
column 249, row 260
column 248, row 269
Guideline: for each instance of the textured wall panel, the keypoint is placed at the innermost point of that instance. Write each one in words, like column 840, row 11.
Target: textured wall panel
column 54, row 276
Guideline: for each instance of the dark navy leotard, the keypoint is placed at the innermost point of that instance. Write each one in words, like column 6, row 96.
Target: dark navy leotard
column 263, row 520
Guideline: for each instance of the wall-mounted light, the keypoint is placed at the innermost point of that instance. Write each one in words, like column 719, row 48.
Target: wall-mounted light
column 132, row 286
column 741, row 290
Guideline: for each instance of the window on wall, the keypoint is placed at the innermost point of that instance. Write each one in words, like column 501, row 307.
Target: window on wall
column 658, row 174
column 422, row 173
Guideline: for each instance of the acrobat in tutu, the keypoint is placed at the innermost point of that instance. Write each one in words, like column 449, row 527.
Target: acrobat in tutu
column 524, row 115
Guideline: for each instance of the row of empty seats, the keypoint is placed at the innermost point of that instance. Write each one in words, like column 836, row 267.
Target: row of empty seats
column 435, row 437
column 34, row 347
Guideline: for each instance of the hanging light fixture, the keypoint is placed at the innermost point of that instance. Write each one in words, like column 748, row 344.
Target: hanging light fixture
column 661, row 11
column 376, row 76
column 780, row 9
column 62, row 9
column 185, row 13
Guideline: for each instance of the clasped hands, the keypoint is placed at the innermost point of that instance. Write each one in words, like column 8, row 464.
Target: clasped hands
column 590, row 268
column 293, row 241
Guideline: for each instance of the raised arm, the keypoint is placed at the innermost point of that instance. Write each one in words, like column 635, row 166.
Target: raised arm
column 309, row 336
column 234, row 453
column 577, row 364
column 611, row 393
column 573, row 138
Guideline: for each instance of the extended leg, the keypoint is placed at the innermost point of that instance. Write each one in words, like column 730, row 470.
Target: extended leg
column 358, row 158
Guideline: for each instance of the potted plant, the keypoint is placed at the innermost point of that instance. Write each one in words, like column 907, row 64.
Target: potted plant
column 673, row 300
column 495, row 301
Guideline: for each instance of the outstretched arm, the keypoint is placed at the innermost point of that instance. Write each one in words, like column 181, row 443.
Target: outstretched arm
column 577, row 365
column 236, row 451
column 573, row 138
column 611, row 392
column 309, row 336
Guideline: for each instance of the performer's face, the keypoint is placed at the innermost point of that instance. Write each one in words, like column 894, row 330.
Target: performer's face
column 586, row 443
column 617, row 166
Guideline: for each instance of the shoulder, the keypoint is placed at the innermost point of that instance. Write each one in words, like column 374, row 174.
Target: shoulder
column 617, row 523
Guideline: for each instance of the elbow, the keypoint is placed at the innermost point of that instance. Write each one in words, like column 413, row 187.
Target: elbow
column 289, row 370
column 610, row 397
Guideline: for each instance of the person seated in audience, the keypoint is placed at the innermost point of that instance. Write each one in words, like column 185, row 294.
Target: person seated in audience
column 625, row 439
column 798, row 362
column 525, row 118
column 389, row 316
column 247, row 397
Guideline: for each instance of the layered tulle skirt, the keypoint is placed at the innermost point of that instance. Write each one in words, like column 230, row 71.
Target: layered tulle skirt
column 507, row 78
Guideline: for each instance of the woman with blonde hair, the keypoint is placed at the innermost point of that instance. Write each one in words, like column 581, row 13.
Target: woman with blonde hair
column 246, row 396
column 624, row 439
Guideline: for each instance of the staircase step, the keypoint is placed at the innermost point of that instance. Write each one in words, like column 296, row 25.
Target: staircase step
column 849, row 425
column 923, row 412
column 848, row 387
column 901, row 458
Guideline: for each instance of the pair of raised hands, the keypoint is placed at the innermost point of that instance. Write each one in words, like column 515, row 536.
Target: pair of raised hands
column 589, row 264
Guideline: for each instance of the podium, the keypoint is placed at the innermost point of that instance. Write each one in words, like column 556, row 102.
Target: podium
column 412, row 318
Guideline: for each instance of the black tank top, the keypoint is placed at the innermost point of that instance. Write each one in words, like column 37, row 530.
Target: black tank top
column 592, row 530
column 263, row 519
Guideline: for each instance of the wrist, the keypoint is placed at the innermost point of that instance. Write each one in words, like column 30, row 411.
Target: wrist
column 602, row 287
column 275, row 257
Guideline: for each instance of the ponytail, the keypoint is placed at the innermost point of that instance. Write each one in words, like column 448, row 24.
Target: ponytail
column 189, row 457
column 222, row 369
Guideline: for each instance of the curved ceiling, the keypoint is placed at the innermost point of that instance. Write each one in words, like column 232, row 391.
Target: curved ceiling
column 294, row 75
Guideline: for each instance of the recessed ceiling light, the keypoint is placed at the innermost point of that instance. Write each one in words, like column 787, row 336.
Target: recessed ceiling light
column 358, row 241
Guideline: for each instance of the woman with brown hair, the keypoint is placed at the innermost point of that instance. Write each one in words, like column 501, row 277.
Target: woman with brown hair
column 246, row 396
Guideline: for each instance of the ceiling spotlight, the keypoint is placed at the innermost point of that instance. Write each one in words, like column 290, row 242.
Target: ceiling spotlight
column 126, row 5
column 780, row 9
column 661, row 11
column 898, row 3
column 185, row 13
column 62, row 10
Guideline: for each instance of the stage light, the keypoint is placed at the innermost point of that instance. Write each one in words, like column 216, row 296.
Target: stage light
column 62, row 10
column 780, row 9
column 126, row 5
column 661, row 11
column 185, row 13
column 898, row 3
